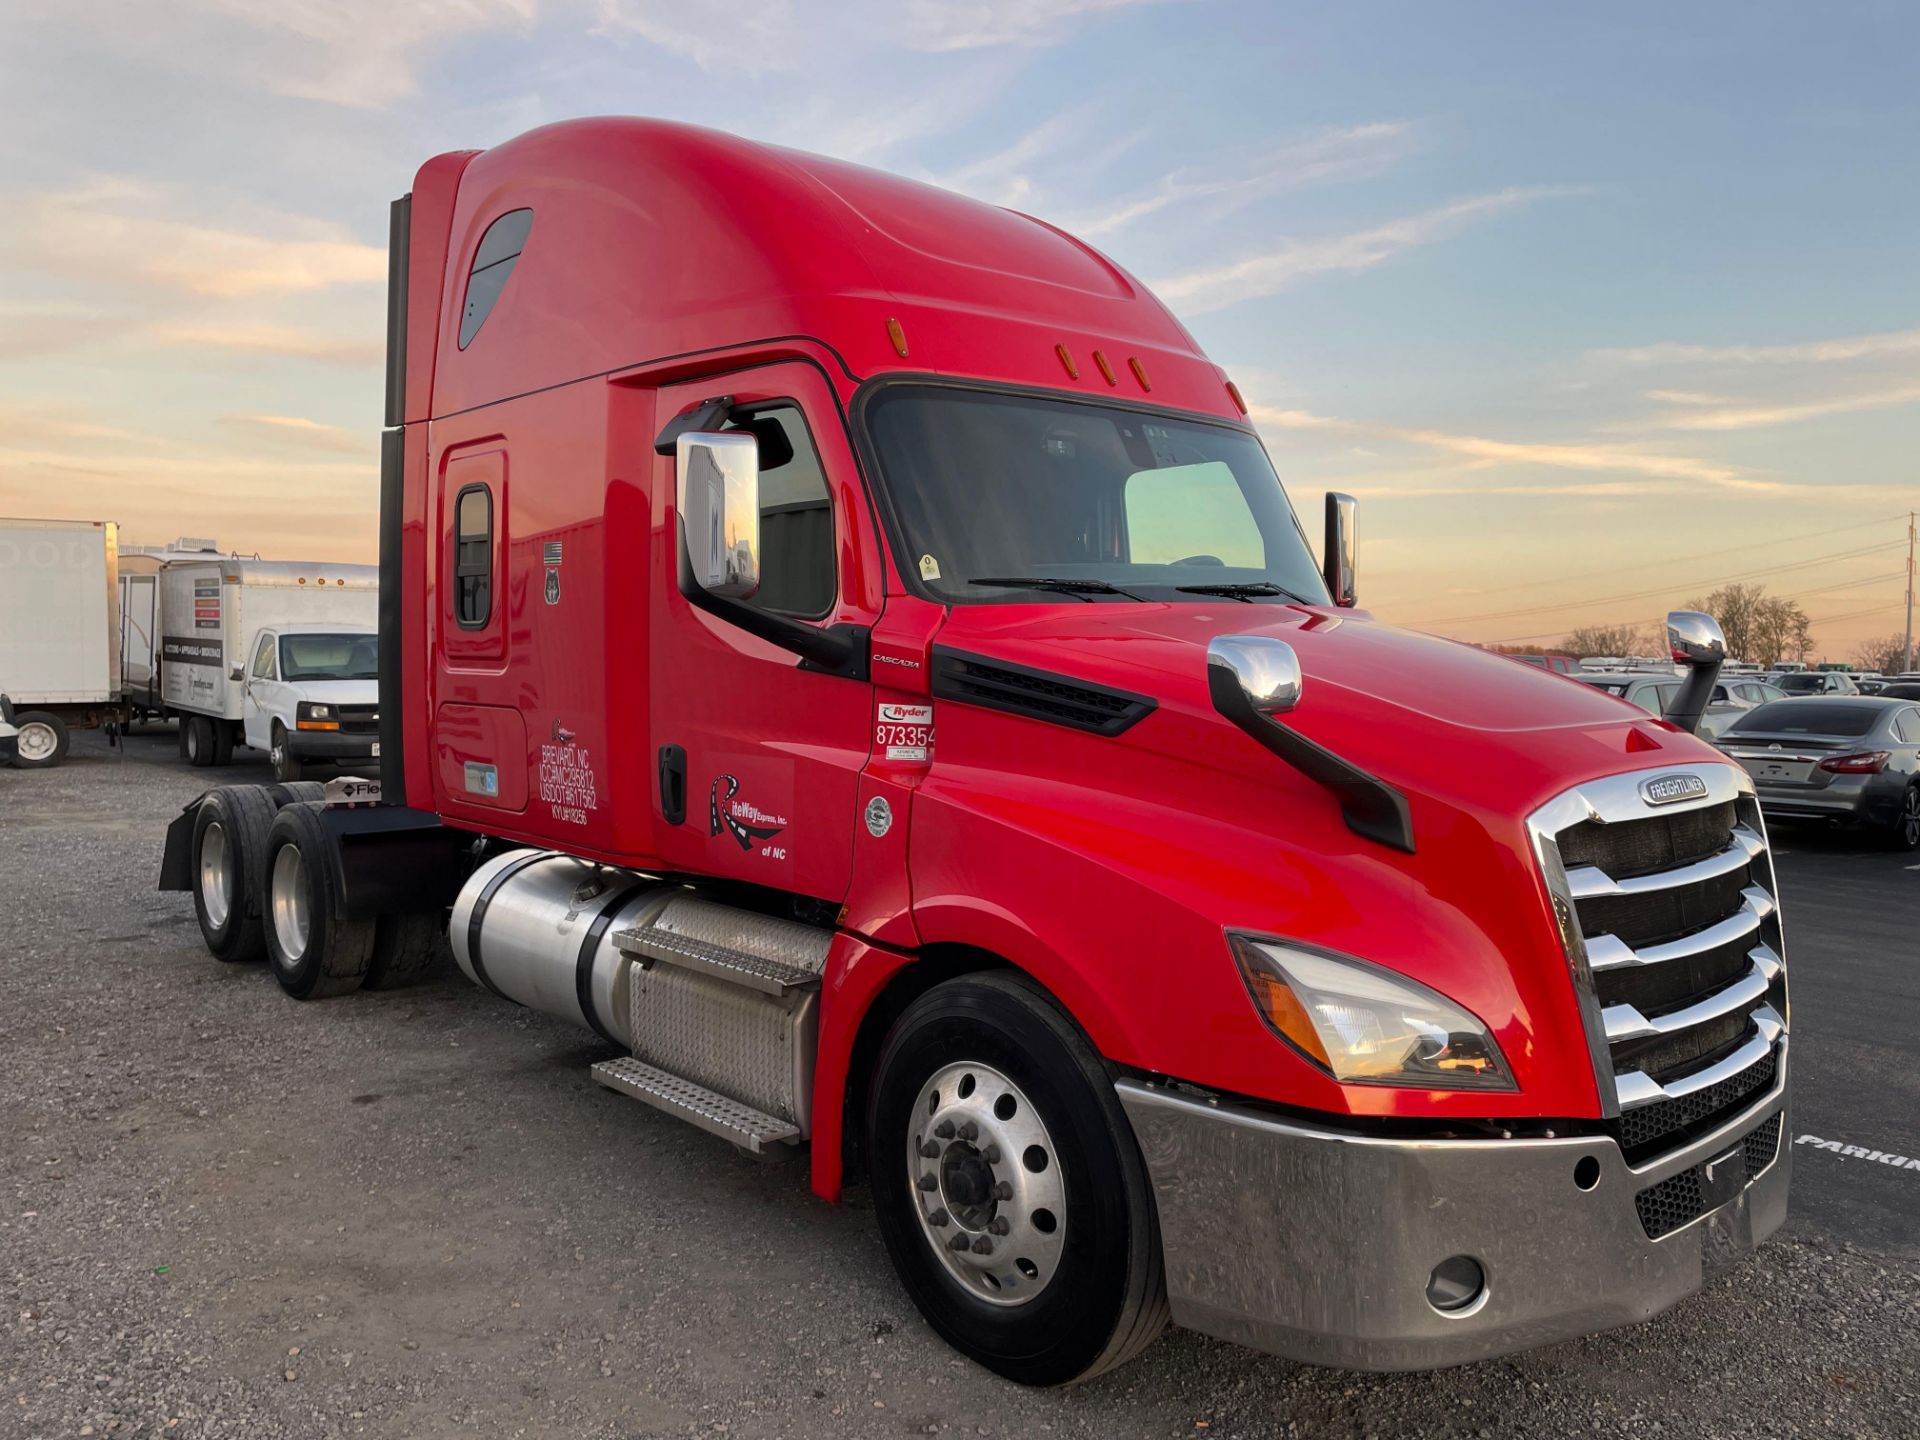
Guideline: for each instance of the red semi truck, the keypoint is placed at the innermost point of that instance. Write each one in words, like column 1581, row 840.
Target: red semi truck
column 846, row 646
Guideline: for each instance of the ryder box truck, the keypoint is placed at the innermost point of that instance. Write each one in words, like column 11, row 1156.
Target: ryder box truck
column 845, row 647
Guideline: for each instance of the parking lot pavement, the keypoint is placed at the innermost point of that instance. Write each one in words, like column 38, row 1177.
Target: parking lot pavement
column 413, row 1215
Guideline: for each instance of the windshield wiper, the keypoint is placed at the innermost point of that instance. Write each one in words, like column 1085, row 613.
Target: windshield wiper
column 1079, row 589
column 1243, row 591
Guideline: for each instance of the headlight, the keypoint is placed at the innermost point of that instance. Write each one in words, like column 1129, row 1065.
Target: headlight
column 309, row 716
column 318, row 712
column 1364, row 1025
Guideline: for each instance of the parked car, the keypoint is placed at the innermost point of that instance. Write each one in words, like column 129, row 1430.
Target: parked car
column 1900, row 690
column 1652, row 693
column 1559, row 664
column 1732, row 699
column 1848, row 760
column 1817, row 682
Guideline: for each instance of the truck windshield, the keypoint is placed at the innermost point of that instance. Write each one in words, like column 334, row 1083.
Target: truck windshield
column 329, row 657
column 1090, row 502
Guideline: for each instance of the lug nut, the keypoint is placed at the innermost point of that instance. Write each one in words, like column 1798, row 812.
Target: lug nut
column 944, row 1129
column 1003, row 1191
column 991, row 1155
column 929, row 1151
column 938, row 1217
column 999, row 1225
column 969, row 1131
column 981, row 1246
column 927, row 1182
column 959, row 1242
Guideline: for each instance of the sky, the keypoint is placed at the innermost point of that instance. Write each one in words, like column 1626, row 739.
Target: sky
column 1591, row 307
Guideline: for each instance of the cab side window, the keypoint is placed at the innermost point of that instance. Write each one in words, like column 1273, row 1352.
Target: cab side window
column 473, row 556
column 796, row 514
column 263, row 660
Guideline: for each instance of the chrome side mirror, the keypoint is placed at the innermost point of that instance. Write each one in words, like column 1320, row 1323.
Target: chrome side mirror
column 1694, row 640
column 717, row 477
column 1342, row 542
column 1266, row 671
column 237, row 673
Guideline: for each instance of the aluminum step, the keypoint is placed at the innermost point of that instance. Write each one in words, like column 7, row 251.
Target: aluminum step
column 650, row 943
column 713, row 1112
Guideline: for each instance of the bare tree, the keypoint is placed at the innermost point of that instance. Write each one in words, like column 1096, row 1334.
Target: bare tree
column 1781, row 631
column 1738, row 609
column 1604, row 640
column 1885, row 653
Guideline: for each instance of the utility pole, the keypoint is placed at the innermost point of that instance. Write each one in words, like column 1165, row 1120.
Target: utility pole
column 1908, row 664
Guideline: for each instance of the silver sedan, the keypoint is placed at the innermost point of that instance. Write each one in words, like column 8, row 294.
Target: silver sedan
column 1845, row 760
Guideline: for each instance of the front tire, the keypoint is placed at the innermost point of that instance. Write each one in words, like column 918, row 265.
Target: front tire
column 313, row 950
column 286, row 765
column 43, row 740
column 197, row 740
column 992, row 1122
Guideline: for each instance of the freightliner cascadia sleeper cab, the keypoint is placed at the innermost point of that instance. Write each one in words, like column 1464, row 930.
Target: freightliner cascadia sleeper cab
column 847, row 647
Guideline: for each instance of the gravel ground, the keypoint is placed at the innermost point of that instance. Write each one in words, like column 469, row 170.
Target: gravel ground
column 414, row 1215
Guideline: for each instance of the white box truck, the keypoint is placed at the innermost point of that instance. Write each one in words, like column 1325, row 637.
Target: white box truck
column 279, row 655
column 59, row 633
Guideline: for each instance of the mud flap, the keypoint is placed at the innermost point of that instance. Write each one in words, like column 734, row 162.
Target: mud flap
column 176, row 863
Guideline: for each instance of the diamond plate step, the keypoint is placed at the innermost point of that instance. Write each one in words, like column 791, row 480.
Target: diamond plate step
column 711, row 1111
column 769, row 977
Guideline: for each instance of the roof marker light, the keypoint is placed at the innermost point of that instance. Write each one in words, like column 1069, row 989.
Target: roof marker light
column 899, row 338
column 1100, row 359
column 1233, row 390
column 1066, row 359
column 1139, row 372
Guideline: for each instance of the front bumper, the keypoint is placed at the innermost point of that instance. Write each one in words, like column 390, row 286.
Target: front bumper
column 1317, row 1244
column 330, row 745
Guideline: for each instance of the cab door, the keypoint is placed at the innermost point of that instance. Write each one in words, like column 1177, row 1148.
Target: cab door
column 259, row 691
column 759, row 757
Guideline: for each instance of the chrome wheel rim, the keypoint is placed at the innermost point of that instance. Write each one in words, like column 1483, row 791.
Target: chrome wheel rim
column 1910, row 820
column 289, row 896
column 193, row 738
column 37, row 741
column 216, row 876
column 986, row 1184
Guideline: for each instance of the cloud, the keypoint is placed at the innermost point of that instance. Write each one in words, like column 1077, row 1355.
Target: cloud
column 944, row 25
column 359, row 54
column 1005, row 177
column 1582, row 456
column 1348, row 153
column 280, row 340
column 108, row 231
column 1814, row 352
column 1199, row 291
column 298, row 432
column 1762, row 416
column 1687, row 397
column 703, row 36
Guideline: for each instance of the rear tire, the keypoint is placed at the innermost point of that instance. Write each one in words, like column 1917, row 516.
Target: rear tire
column 1099, row 1287
column 222, row 743
column 197, row 740
column 286, row 765
column 312, row 949
column 43, row 740
column 229, row 847
column 1905, row 833
column 407, row 949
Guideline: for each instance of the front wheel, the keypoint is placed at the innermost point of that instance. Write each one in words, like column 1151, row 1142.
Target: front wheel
column 1008, row 1185
column 286, row 765
column 1905, row 834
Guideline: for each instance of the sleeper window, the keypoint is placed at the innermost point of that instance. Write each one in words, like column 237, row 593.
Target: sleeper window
column 498, row 252
column 796, row 515
column 473, row 556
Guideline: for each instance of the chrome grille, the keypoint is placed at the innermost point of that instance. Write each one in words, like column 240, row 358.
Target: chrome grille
column 1668, row 918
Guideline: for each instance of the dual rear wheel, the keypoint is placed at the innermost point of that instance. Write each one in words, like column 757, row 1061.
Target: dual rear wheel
column 266, row 886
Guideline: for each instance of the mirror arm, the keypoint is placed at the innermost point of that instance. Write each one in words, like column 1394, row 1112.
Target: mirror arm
column 1371, row 807
column 843, row 650
column 709, row 414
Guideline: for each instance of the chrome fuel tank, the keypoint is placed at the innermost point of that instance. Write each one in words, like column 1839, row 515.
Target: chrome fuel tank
column 537, row 927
